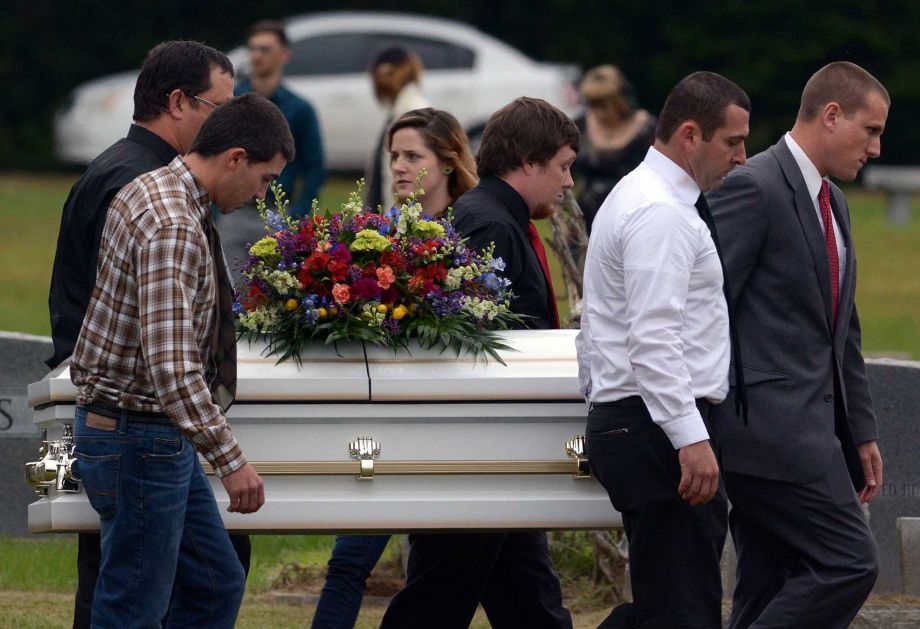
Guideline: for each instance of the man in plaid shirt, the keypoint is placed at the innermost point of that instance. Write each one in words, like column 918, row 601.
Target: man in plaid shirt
column 143, row 363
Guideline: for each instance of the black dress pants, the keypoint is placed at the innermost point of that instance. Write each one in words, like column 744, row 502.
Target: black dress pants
column 88, row 559
column 450, row 574
column 674, row 548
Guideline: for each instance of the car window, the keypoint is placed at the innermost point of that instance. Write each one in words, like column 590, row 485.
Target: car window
column 436, row 54
column 338, row 53
column 342, row 53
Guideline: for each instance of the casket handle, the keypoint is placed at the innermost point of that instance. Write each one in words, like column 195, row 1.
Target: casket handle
column 575, row 448
column 365, row 449
column 55, row 465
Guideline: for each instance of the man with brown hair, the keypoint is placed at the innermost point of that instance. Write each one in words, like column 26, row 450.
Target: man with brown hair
column 527, row 150
column 806, row 556
column 653, row 356
column 155, row 368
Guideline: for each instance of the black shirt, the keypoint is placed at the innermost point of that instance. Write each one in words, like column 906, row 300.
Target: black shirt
column 74, row 274
column 491, row 212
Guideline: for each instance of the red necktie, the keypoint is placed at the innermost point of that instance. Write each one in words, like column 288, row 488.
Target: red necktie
column 537, row 245
column 830, row 240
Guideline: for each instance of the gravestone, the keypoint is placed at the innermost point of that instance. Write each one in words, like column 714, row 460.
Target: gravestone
column 21, row 363
column 895, row 386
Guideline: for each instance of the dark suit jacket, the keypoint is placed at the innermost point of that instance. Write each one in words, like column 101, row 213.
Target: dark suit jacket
column 777, row 268
column 493, row 212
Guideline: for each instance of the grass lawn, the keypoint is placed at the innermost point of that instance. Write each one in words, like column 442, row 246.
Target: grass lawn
column 889, row 256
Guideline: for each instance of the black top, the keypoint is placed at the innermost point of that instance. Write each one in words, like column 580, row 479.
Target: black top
column 597, row 171
column 74, row 274
column 491, row 212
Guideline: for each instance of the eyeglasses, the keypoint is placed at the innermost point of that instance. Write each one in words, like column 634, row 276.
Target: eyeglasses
column 203, row 100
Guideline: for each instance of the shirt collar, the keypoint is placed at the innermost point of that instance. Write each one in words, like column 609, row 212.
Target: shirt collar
column 683, row 185
column 809, row 173
column 147, row 138
column 191, row 183
column 509, row 197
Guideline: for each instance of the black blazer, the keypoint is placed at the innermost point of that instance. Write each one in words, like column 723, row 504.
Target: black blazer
column 493, row 212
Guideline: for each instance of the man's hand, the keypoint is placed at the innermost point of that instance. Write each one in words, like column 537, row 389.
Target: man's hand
column 872, row 469
column 699, row 473
column 246, row 490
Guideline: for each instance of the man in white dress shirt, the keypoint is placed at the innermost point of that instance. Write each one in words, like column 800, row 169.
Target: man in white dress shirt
column 654, row 352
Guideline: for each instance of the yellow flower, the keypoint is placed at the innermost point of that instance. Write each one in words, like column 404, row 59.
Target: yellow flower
column 382, row 308
column 291, row 305
column 265, row 248
column 370, row 240
column 323, row 313
column 399, row 312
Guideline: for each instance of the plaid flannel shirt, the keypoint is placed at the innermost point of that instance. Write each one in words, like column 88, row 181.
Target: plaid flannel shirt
column 146, row 339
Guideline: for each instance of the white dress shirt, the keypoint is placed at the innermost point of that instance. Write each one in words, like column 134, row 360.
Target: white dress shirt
column 813, row 183
column 655, row 323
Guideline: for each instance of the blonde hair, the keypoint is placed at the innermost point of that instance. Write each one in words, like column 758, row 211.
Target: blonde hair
column 606, row 84
column 392, row 70
column 443, row 136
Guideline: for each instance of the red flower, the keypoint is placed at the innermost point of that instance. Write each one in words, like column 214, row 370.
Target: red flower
column 254, row 298
column 317, row 261
column 338, row 271
column 394, row 259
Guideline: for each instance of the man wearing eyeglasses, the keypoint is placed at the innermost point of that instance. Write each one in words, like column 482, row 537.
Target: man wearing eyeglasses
column 180, row 84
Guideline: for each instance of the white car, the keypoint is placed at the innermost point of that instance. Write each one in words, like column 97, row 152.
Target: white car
column 466, row 72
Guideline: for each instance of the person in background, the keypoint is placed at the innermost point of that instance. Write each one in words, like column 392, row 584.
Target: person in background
column 396, row 74
column 269, row 52
column 422, row 138
column 615, row 137
column 179, row 86
column 302, row 179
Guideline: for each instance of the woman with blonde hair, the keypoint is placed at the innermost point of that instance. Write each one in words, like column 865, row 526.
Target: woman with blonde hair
column 396, row 74
column 615, row 136
column 433, row 140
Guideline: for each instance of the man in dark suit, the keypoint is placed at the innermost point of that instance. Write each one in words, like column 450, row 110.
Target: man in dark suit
column 527, row 150
column 806, row 557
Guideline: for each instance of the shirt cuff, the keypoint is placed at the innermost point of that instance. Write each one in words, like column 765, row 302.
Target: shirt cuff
column 685, row 431
column 226, row 461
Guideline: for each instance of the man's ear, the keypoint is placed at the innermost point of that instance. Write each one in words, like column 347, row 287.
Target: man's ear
column 689, row 135
column 529, row 168
column 830, row 113
column 175, row 104
column 234, row 157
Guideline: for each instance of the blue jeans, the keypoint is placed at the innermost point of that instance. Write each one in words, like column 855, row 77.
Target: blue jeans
column 353, row 558
column 164, row 546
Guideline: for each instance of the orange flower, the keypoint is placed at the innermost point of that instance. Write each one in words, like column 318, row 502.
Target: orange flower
column 341, row 293
column 385, row 277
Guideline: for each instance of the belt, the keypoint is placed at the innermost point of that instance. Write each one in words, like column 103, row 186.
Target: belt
column 115, row 412
column 636, row 401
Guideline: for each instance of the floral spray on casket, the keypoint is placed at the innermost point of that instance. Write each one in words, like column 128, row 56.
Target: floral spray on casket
column 362, row 274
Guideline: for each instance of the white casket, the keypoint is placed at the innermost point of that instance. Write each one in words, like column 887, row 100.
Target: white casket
column 459, row 444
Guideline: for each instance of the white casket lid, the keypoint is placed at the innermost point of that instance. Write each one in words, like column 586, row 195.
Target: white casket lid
column 541, row 366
